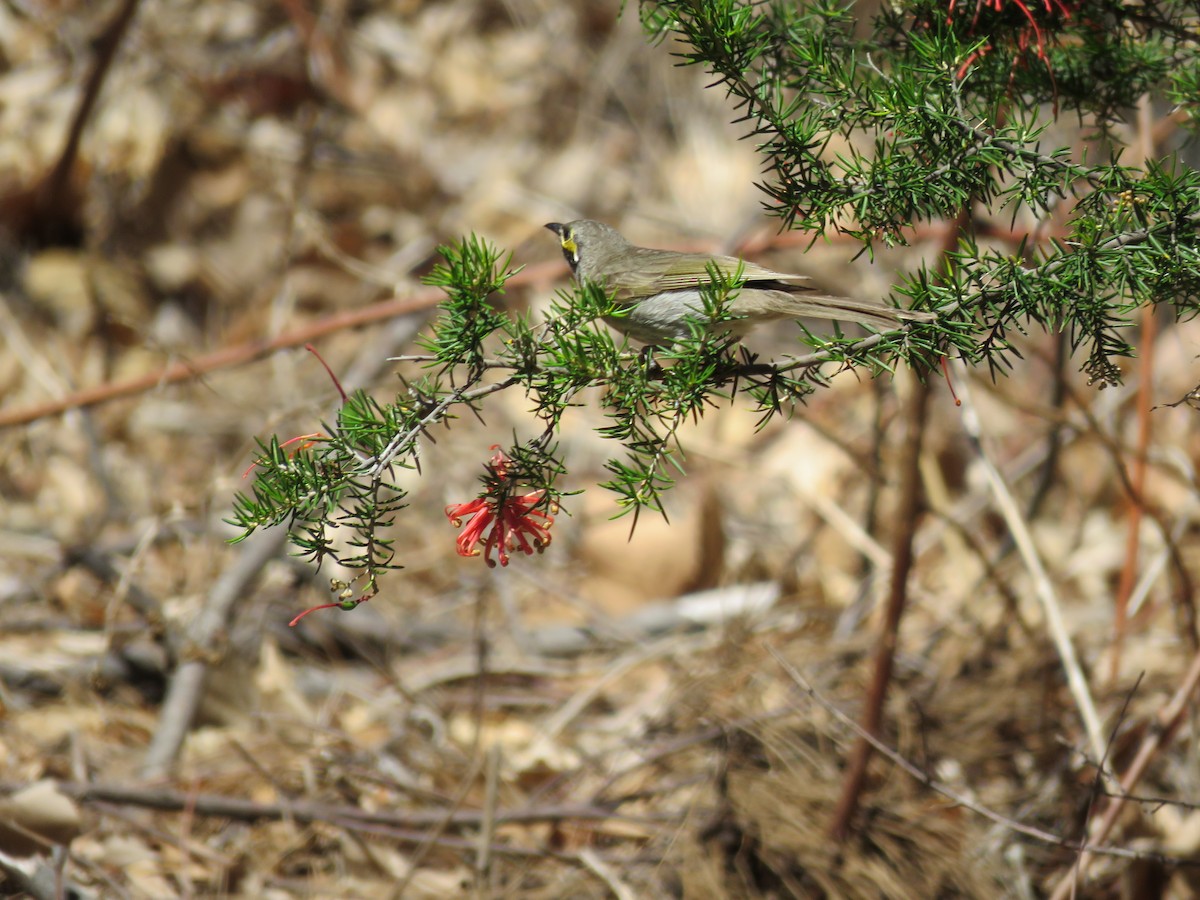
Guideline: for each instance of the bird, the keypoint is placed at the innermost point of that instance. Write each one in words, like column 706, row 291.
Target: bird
column 659, row 291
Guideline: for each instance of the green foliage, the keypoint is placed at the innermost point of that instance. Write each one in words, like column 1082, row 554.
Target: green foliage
column 937, row 117
column 322, row 491
column 470, row 276
column 933, row 112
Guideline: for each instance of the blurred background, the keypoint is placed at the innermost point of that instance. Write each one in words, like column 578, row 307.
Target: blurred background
column 249, row 171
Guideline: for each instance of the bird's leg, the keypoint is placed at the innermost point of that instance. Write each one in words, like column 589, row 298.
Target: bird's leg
column 646, row 358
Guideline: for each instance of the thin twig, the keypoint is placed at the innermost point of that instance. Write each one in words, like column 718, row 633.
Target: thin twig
column 687, row 742
column 907, row 512
column 438, row 828
column 203, row 645
column 605, row 873
column 536, row 854
column 305, row 812
column 1007, row 506
column 1169, row 718
column 1137, row 477
column 923, row 777
column 475, row 756
column 398, row 444
column 55, row 189
column 642, row 653
column 250, row 351
column 204, row 640
column 487, row 829
column 1184, row 593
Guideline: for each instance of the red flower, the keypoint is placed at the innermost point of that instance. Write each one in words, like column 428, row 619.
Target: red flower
column 501, row 520
column 1051, row 11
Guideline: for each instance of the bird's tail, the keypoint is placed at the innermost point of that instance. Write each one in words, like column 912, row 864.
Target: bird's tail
column 779, row 305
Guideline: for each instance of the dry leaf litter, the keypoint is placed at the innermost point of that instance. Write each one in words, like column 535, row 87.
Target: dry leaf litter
column 250, row 168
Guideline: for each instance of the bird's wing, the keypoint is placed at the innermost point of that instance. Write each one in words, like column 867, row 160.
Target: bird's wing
column 660, row 270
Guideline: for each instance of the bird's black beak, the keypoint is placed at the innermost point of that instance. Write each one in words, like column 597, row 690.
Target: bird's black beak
column 556, row 228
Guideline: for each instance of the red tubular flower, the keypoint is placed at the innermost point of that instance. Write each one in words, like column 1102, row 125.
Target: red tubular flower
column 1031, row 33
column 500, row 520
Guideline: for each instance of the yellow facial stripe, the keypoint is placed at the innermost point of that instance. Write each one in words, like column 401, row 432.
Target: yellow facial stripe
column 568, row 244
